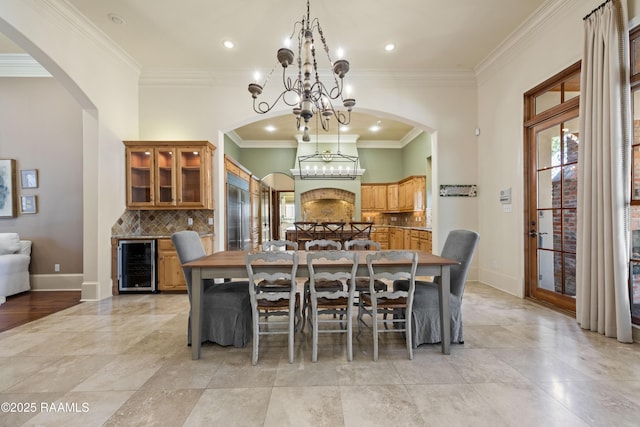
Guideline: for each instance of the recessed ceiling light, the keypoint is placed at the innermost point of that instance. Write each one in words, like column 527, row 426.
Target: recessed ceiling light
column 389, row 47
column 115, row 19
column 228, row 44
column 376, row 127
column 344, row 128
column 270, row 128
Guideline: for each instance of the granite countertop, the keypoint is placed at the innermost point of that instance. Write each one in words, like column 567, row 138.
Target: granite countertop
column 146, row 237
column 409, row 227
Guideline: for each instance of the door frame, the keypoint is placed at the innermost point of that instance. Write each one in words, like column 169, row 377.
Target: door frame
column 564, row 110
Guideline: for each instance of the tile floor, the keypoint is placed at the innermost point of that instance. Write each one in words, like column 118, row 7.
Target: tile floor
column 124, row 362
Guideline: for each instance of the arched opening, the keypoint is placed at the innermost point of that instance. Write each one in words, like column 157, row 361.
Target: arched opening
column 280, row 205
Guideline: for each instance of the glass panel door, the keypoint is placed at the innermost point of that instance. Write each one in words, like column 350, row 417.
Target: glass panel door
column 166, row 182
column 553, row 181
column 190, row 161
column 140, row 170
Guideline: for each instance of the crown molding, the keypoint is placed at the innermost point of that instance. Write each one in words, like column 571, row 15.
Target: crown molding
column 267, row 144
column 204, row 77
column 64, row 13
column 21, row 65
column 333, row 139
column 524, row 30
column 79, row 24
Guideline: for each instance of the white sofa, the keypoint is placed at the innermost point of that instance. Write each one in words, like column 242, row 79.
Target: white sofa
column 15, row 256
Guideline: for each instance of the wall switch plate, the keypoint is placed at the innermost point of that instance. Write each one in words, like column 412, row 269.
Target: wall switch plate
column 190, row 221
column 506, row 208
column 56, row 268
column 210, row 221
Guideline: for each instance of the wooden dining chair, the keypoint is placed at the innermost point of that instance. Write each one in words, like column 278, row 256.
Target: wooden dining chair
column 329, row 266
column 333, row 230
column 360, row 230
column 335, row 285
column 274, row 301
column 279, row 284
column 362, row 283
column 305, row 231
column 383, row 266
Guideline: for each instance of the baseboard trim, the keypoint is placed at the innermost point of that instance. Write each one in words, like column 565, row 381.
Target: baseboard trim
column 56, row 282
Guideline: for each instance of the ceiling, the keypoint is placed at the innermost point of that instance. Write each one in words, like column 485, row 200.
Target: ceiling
column 188, row 35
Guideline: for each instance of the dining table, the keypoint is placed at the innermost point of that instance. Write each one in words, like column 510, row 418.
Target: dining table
column 227, row 264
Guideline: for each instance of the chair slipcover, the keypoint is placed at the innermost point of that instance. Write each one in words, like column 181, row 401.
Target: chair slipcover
column 460, row 246
column 226, row 307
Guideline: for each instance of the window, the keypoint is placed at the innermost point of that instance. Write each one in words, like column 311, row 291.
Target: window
column 634, row 279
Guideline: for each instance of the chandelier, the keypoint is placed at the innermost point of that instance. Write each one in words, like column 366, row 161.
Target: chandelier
column 307, row 94
column 328, row 165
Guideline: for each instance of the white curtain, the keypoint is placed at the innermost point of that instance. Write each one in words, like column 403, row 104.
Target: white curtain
column 602, row 296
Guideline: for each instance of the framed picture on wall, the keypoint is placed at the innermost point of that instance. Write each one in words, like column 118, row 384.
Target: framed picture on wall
column 29, row 178
column 8, row 208
column 28, row 204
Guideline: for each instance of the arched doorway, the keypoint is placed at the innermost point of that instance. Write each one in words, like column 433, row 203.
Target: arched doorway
column 279, row 204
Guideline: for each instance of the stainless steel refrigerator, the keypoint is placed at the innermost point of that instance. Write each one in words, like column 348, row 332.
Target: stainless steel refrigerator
column 238, row 214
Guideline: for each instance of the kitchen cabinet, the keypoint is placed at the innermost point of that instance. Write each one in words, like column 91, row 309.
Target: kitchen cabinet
column 396, row 238
column 408, row 195
column 406, row 238
column 412, row 194
column 415, row 239
column 169, row 270
column 170, row 274
column 255, row 212
column 381, row 235
column 392, row 197
column 425, row 241
column 169, row 174
column 373, row 197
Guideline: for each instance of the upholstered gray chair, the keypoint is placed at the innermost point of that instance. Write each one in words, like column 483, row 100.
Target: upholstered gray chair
column 460, row 246
column 226, row 307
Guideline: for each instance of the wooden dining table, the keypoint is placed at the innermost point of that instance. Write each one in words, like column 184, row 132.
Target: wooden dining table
column 233, row 264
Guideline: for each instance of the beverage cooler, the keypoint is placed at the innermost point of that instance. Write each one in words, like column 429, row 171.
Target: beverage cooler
column 137, row 266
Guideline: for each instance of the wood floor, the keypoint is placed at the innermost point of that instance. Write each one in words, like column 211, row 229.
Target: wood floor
column 28, row 306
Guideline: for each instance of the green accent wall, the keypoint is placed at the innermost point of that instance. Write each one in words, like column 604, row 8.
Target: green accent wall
column 381, row 164
column 263, row 161
column 414, row 155
column 231, row 149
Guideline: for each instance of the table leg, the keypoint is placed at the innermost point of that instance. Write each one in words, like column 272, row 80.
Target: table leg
column 196, row 312
column 445, row 309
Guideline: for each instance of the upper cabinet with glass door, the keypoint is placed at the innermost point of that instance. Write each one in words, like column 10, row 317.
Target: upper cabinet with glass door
column 169, row 174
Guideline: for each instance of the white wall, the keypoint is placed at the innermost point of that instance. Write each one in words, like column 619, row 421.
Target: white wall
column 502, row 80
column 104, row 81
column 446, row 102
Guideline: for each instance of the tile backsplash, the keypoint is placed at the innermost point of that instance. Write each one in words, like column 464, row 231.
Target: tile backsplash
column 401, row 219
column 162, row 222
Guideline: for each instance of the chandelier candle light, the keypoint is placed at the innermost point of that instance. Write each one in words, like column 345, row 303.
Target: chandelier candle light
column 327, row 165
column 310, row 95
